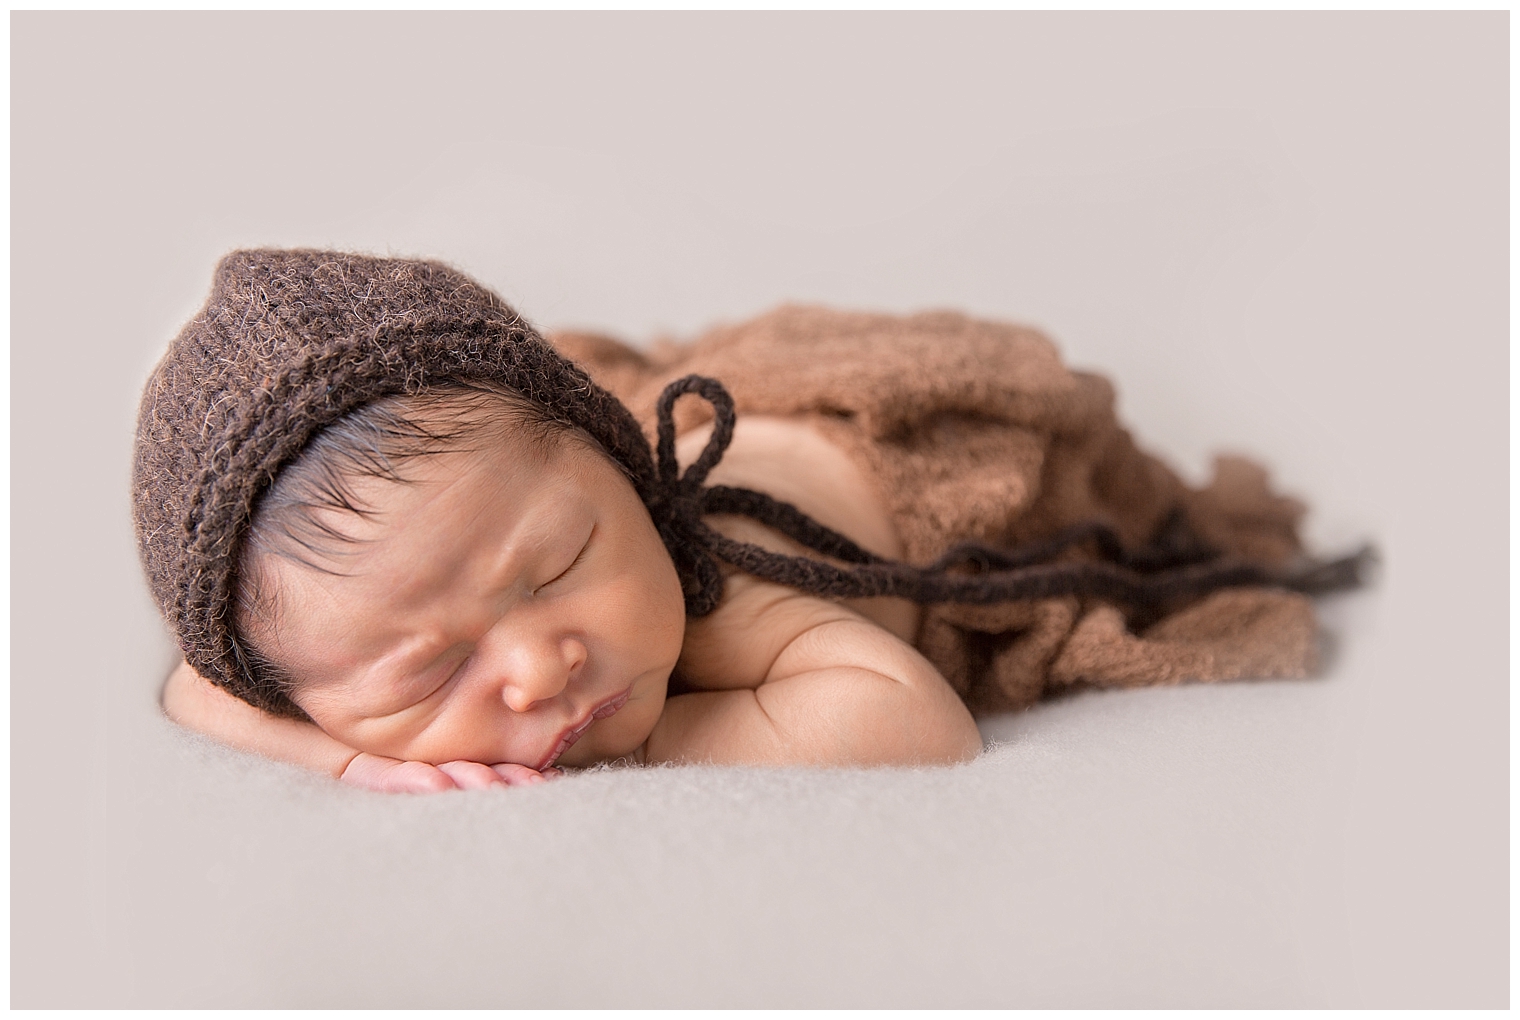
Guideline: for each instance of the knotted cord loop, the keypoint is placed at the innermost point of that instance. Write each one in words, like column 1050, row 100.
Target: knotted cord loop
column 1174, row 569
column 712, row 391
column 677, row 507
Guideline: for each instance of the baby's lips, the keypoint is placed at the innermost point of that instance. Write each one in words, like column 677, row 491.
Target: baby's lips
column 612, row 706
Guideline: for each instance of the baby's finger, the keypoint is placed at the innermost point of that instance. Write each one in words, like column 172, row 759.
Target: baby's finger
column 519, row 775
column 471, row 775
column 388, row 775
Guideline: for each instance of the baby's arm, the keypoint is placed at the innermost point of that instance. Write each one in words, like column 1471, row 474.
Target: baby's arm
column 789, row 678
column 194, row 702
column 800, row 680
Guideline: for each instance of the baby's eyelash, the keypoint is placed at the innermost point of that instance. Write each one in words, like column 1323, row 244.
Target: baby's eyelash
column 443, row 682
column 573, row 564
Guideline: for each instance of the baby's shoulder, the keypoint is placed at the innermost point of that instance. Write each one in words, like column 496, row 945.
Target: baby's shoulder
column 792, row 461
column 763, row 632
column 738, row 642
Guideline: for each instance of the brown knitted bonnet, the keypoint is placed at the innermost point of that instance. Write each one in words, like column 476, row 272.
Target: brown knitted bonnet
column 288, row 343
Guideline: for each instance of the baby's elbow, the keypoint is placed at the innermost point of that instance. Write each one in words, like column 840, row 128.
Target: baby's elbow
column 955, row 743
column 936, row 731
column 970, row 744
column 936, row 726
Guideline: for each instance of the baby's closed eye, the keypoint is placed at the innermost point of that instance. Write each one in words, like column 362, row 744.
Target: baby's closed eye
column 413, row 686
column 578, row 559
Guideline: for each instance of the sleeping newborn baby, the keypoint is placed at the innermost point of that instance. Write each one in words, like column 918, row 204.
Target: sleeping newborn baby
column 458, row 591
column 405, row 542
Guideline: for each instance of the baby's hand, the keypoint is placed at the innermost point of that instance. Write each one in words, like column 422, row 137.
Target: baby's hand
column 391, row 775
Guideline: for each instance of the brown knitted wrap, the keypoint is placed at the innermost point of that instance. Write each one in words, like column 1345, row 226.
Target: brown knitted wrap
column 288, row 343
column 974, row 431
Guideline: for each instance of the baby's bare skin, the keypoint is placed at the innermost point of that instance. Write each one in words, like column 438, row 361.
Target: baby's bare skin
column 510, row 612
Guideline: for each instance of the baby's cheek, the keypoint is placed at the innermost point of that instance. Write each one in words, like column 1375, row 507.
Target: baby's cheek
column 369, row 736
column 461, row 729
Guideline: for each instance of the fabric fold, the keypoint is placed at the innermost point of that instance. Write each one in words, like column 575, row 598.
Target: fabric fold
column 976, row 430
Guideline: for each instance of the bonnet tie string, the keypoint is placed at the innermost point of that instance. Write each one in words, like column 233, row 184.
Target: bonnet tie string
column 1174, row 569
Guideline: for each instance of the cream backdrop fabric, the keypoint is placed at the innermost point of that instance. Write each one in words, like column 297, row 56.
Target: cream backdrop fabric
column 1284, row 234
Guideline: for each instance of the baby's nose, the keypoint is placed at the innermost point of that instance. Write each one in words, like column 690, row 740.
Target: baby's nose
column 542, row 674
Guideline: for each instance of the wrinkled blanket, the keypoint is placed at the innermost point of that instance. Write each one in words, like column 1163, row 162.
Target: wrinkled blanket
column 976, row 430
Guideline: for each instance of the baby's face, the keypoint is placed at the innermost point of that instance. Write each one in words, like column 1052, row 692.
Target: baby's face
column 513, row 604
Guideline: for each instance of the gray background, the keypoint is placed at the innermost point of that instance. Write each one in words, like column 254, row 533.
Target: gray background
column 1285, row 234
